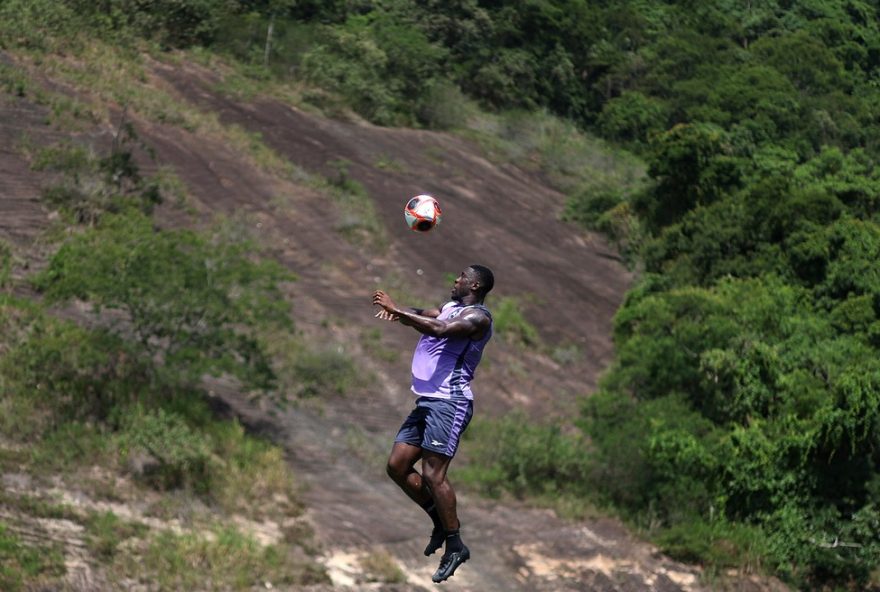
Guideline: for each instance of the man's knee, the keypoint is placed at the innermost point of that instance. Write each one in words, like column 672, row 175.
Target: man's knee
column 432, row 477
column 394, row 470
column 398, row 467
column 434, row 468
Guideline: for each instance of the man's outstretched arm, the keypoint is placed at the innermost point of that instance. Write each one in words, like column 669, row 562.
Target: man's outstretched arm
column 469, row 324
column 386, row 315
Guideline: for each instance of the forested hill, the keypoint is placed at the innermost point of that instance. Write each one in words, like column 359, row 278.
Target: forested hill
column 739, row 425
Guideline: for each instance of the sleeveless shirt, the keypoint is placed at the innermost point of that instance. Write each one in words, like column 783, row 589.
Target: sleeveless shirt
column 443, row 367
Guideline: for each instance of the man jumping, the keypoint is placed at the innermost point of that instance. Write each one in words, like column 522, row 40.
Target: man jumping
column 443, row 365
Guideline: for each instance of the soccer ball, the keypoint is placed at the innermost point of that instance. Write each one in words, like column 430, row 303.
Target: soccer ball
column 422, row 213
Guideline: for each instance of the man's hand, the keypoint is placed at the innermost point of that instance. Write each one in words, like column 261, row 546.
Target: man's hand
column 388, row 311
column 386, row 316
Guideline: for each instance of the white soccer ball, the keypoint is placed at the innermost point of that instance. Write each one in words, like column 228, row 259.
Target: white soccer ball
column 422, row 213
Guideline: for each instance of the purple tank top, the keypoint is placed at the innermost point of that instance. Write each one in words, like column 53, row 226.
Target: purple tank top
column 443, row 367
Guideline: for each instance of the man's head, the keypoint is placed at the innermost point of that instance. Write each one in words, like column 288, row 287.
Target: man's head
column 475, row 279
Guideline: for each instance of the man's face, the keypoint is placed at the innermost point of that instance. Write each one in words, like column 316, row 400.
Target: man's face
column 462, row 285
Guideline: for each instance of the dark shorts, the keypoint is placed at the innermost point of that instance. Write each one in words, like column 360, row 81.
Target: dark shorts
column 436, row 424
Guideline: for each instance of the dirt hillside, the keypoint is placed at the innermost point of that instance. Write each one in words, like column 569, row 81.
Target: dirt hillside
column 499, row 216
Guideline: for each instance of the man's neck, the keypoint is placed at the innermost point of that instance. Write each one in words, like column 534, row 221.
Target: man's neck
column 470, row 300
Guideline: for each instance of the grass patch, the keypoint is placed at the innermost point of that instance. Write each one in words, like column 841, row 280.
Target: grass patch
column 556, row 148
column 387, row 163
column 21, row 418
column 38, row 507
column 63, row 112
column 510, row 322
column 597, row 178
column 371, row 341
column 327, row 371
column 105, row 531
column 249, row 470
column 111, row 77
column 24, row 566
column 73, row 444
column 717, row 545
column 542, row 464
column 221, row 559
column 513, row 455
column 566, row 354
column 6, row 259
column 380, row 566
column 357, row 219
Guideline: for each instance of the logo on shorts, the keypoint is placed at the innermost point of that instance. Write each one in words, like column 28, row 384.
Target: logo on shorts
column 436, row 443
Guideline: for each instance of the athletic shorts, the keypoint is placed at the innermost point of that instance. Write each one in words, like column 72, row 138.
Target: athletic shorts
column 436, row 424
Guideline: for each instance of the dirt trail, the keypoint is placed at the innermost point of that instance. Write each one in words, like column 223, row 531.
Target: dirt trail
column 499, row 216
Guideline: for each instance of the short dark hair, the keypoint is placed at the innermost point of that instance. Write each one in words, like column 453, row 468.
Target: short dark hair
column 485, row 278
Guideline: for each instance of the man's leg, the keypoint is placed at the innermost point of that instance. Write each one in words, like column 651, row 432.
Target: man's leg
column 434, row 468
column 401, row 469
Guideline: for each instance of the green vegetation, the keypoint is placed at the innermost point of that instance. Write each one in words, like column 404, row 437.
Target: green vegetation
column 105, row 532
column 357, row 219
column 737, row 425
column 511, row 324
column 380, row 566
column 200, row 301
column 123, row 393
column 6, row 259
column 525, row 459
column 21, row 564
column 221, row 559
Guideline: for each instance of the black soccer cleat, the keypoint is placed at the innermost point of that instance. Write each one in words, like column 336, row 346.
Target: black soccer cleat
column 437, row 538
column 449, row 563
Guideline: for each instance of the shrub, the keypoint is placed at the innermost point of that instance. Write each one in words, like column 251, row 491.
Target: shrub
column 181, row 454
column 198, row 301
column 351, row 64
column 359, row 223
column 69, row 371
column 515, row 456
column 324, row 371
column 36, row 24
column 442, row 106
column 632, row 117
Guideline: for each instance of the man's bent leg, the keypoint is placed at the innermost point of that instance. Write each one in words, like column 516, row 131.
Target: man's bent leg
column 400, row 468
column 434, row 467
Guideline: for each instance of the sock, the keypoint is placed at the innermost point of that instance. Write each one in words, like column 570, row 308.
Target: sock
column 431, row 509
column 453, row 541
